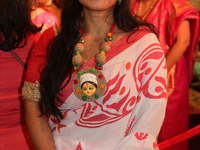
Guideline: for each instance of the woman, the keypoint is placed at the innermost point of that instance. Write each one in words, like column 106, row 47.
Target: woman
column 176, row 24
column 18, row 36
column 122, row 112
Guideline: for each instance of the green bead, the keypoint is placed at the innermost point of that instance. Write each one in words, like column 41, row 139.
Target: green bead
column 84, row 98
column 79, row 74
column 80, row 41
column 78, row 66
column 106, row 39
column 119, row 1
column 111, row 36
column 102, row 51
column 98, row 64
column 79, row 36
column 96, row 96
column 77, row 52
column 92, row 70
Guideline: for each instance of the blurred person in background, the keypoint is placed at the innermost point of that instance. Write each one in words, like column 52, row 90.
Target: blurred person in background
column 42, row 17
column 55, row 8
column 18, row 36
column 176, row 24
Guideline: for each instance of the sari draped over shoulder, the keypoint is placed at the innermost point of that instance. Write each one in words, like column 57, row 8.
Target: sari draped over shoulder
column 167, row 16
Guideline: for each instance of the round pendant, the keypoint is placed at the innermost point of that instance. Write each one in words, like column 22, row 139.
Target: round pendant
column 89, row 84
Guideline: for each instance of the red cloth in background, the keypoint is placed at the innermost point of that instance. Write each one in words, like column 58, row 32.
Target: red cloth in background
column 13, row 131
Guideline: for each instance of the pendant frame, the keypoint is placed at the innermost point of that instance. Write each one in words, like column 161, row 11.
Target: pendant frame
column 101, row 85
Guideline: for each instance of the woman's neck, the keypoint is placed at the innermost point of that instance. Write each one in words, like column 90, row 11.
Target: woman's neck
column 97, row 23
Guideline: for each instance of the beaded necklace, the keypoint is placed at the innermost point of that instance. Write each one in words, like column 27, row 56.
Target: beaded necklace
column 89, row 83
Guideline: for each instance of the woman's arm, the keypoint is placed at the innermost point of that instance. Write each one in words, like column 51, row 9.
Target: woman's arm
column 38, row 127
column 180, row 45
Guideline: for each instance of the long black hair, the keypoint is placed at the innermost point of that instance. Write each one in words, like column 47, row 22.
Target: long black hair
column 60, row 53
column 15, row 23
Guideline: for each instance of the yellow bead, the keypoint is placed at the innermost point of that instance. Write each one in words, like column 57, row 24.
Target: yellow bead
column 109, row 34
column 109, row 42
column 110, row 39
column 75, row 68
column 103, row 53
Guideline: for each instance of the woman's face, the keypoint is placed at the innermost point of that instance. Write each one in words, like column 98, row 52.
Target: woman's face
column 88, row 89
column 98, row 5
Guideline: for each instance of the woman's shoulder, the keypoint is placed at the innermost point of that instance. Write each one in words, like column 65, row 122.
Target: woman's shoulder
column 36, row 12
column 177, row 4
column 175, row 1
column 47, row 36
column 50, row 33
column 140, row 32
column 49, row 16
column 140, row 38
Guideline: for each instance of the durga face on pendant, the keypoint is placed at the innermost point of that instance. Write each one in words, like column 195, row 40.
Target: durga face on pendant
column 89, row 84
column 89, row 88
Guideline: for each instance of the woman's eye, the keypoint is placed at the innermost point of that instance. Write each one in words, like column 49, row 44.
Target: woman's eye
column 84, row 89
